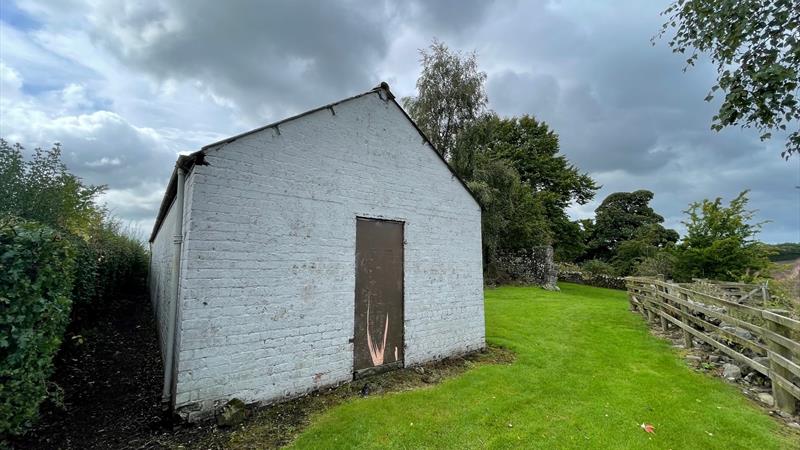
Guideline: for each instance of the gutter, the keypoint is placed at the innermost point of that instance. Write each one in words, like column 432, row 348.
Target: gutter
column 170, row 359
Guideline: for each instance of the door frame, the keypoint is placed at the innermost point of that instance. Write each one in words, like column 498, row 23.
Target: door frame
column 365, row 372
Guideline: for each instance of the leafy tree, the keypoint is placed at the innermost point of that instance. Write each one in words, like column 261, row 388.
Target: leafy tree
column 755, row 45
column 12, row 176
column 513, row 165
column 42, row 189
column 532, row 149
column 720, row 242
column 450, row 95
column 572, row 237
column 512, row 218
column 648, row 241
column 620, row 217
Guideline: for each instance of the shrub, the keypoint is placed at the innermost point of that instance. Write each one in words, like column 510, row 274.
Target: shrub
column 42, row 189
column 720, row 242
column 662, row 263
column 65, row 228
column 36, row 278
column 597, row 267
column 122, row 259
column 111, row 262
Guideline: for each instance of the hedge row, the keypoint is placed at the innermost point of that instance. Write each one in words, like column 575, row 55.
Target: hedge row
column 36, row 281
column 110, row 262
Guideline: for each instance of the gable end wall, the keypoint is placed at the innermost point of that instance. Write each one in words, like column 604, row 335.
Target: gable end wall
column 269, row 272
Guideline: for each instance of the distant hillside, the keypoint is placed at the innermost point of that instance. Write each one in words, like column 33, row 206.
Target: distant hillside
column 788, row 251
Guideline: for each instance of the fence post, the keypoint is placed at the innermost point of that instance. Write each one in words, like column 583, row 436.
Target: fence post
column 662, row 300
column 784, row 400
column 631, row 294
column 687, row 337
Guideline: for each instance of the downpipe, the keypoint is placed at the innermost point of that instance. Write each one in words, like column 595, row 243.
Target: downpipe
column 170, row 359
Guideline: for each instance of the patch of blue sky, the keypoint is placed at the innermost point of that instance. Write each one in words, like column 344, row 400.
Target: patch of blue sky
column 15, row 17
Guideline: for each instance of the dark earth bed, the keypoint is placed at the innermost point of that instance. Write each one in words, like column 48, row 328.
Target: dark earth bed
column 110, row 370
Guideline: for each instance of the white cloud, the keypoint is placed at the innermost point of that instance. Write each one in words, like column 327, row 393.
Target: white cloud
column 10, row 81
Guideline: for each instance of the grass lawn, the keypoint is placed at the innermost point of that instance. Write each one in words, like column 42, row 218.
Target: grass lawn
column 587, row 374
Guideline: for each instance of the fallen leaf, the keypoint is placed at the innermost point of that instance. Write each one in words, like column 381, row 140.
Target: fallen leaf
column 648, row 428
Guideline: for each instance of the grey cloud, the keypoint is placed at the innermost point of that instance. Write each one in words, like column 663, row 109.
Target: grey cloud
column 448, row 16
column 624, row 109
column 270, row 60
column 516, row 92
column 101, row 148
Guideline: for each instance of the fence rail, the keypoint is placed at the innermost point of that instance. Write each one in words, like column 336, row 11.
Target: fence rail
column 770, row 346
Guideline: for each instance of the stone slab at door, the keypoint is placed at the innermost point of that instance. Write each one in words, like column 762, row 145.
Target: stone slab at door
column 378, row 335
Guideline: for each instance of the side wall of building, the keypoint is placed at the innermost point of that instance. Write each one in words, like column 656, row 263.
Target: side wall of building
column 162, row 290
column 269, row 275
column 162, row 259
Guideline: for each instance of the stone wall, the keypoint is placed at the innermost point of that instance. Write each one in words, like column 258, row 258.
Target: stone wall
column 533, row 266
column 597, row 280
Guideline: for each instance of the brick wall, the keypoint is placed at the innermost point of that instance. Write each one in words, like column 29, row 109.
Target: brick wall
column 268, row 280
column 162, row 290
column 162, row 252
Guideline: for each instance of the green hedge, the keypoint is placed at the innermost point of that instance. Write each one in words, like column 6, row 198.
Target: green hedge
column 111, row 263
column 36, row 280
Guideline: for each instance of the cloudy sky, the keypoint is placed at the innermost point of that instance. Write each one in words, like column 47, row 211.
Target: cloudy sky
column 126, row 86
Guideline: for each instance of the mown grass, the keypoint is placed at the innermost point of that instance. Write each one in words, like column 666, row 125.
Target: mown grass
column 587, row 375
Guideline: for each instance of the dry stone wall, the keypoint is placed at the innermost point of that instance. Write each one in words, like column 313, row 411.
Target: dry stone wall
column 597, row 280
column 530, row 266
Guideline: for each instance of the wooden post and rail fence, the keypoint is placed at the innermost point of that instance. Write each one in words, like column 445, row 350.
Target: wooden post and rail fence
column 714, row 318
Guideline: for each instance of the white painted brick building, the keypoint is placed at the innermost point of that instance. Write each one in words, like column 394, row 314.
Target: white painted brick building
column 257, row 283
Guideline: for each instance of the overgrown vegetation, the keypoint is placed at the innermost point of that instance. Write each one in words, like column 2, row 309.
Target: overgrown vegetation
column 513, row 165
column 60, row 249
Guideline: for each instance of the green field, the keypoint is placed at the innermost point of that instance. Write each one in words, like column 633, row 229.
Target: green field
column 587, row 375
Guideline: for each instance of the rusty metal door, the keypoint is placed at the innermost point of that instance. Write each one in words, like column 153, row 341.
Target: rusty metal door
column 378, row 338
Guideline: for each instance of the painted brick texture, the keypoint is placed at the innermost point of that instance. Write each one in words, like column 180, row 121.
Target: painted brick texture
column 162, row 251
column 268, row 275
column 162, row 290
